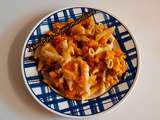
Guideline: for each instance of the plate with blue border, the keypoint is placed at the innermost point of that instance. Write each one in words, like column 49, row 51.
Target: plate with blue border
column 60, row 105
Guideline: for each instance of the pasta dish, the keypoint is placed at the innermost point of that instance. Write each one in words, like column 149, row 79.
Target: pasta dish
column 83, row 62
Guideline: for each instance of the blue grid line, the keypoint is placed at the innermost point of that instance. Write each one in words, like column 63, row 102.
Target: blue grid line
column 33, row 82
column 72, row 14
column 83, row 10
column 29, row 65
column 36, row 85
column 65, row 15
column 47, row 96
column 38, row 31
column 129, row 82
column 33, row 78
column 100, row 104
column 34, row 40
column 126, row 39
column 80, row 107
column 54, row 102
column 131, row 50
column 114, row 98
column 29, row 62
column 49, row 23
column 27, row 59
column 124, row 33
column 133, row 56
column 71, row 106
column 51, row 102
column 56, row 18
column 109, row 23
column 118, row 90
column 92, row 105
column 36, row 37
column 43, row 91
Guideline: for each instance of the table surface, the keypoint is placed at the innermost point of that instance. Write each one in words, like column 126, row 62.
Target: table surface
column 18, row 17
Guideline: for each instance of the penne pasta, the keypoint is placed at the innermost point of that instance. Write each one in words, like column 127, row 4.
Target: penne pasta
column 49, row 52
column 109, row 63
column 99, row 27
column 106, row 33
column 91, row 52
column 102, row 88
column 78, row 29
column 82, row 63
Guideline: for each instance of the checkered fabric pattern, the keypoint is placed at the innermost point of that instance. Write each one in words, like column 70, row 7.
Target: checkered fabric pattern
column 54, row 101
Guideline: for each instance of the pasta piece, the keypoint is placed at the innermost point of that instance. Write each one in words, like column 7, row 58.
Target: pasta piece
column 111, row 80
column 108, row 85
column 64, row 45
column 48, row 51
column 91, row 21
column 53, row 75
column 69, row 75
column 104, row 76
column 84, row 68
column 102, row 88
column 110, row 46
column 70, row 20
column 61, row 80
column 37, row 52
column 89, row 25
column 93, row 90
column 110, row 54
column 70, row 94
column 109, row 63
column 76, row 50
column 92, row 79
column 118, row 52
column 67, row 51
column 99, row 27
column 70, row 84
column 87, row 88
column 111, row 39
column 102, row 49
column 81, row 38
column 78, row 29
column 91, row 52
column 84, row 75
column 48, row 82
column 59, row 25
column 40, row 65
column 106, row 33
column 95, row 70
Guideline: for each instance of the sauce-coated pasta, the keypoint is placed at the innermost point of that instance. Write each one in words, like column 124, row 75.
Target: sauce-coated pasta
column 81, row 63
